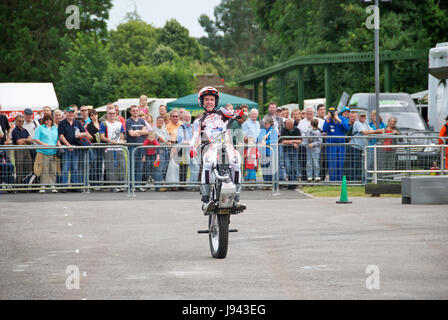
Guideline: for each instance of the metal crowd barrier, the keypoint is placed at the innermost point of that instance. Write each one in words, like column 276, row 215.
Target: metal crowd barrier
column 358, row 162
column 121, row 167
column 175, row 169
column 104, row 166
column 389, row 165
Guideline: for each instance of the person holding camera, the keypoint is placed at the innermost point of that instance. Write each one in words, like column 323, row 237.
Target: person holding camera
column 335, row 126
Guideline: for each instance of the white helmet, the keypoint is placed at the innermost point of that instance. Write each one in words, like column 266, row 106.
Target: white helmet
column 208, row 91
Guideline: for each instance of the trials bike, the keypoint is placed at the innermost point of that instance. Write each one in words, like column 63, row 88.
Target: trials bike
column 223, row 192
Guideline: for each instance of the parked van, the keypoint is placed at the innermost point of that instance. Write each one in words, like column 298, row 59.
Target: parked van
column 438, row 85
column 409, row 123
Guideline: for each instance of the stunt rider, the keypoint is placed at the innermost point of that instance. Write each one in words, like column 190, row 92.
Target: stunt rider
column 211, row 124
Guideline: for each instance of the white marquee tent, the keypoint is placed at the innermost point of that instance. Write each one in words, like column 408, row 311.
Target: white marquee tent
column 17, row 96
column 124, row 104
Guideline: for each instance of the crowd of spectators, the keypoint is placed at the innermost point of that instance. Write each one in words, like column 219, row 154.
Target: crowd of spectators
column 303, row 154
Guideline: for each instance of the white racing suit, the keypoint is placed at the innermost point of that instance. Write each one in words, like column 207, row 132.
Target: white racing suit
column 205, row 130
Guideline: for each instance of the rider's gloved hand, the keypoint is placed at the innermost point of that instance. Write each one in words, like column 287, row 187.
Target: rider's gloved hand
column 239, row 113
column 193, row 153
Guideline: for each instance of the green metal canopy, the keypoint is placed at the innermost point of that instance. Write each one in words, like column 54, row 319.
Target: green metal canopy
column 191, row 103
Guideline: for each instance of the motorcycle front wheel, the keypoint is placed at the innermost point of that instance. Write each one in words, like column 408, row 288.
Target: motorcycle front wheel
column 219, row 234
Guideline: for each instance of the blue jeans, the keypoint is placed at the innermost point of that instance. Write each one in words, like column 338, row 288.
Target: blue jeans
column 194, row 171
column 153, row 172
column 96, row 167
column 281, row 163
column 6, row 172
column 335, row 159
column 291, row 161
column 70, row 162
column 312, row 164
column 164, row 161
column 138, row 165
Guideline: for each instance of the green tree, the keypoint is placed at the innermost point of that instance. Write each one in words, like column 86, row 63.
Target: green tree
column 34, row 37
column 174, row 35
column 163, row 54
column 234, row 35
column 165, row 80
column 85, row 76
column 306, row 27
column 132, row 41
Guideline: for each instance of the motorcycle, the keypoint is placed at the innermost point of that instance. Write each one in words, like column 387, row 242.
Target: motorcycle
column 223, row 193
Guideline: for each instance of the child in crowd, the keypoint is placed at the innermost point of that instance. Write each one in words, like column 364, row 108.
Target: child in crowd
column 152, row 158
column 251, row 162
column 434, row 167
column 313, row 147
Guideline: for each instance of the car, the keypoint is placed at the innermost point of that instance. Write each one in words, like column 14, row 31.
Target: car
column 409, row 124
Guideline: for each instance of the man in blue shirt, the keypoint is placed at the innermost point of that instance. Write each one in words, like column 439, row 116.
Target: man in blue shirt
column 136, row 132
column 251, row 128
column 344, row 116
column 69, row 131
column 335, row 126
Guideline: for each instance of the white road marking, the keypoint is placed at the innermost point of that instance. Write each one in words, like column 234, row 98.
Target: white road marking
column 69, row 224
column 321, row 267
column 191, row 273
column 66, row 251
column 80, row 235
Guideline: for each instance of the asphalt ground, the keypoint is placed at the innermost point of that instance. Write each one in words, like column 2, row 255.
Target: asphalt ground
column 289, row 246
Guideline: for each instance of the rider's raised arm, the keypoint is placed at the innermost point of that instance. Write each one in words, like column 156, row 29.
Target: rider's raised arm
column 229, row 114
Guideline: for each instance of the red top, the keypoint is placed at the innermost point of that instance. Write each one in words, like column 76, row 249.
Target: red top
column 443, row 133
column 123, row 122
column 387, row 141
column 151, row 151
column 251, row 155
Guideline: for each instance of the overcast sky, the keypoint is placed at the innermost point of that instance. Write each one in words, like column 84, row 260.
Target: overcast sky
column 157, row 12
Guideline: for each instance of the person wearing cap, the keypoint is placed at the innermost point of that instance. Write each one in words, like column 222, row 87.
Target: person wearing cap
column 344, row 116
column 360, row 128
column 70, row 131
column 30, row 125
column 335, row 149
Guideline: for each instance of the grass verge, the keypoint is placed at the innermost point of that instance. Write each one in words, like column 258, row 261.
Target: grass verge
column 335, row 191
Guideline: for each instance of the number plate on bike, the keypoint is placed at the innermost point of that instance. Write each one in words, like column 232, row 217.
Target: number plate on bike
column 227, row 195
